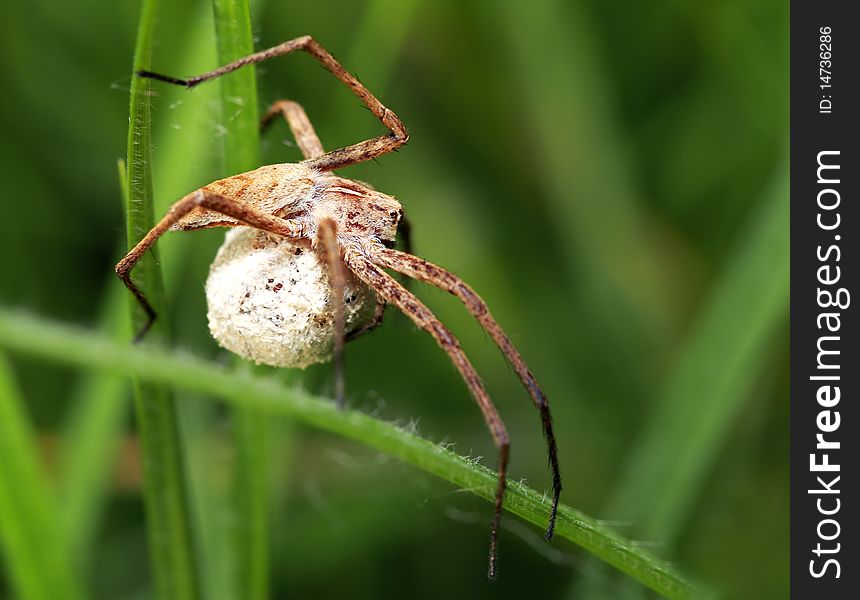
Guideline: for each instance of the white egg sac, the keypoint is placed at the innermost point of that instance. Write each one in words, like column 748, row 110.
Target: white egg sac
column 271, row 302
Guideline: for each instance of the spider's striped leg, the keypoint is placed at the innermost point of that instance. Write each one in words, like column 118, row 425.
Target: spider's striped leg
column 418, row 268
column 350, row 155
column 394, row 293
column 243, row 213
column 327, row 243
column 306, row 137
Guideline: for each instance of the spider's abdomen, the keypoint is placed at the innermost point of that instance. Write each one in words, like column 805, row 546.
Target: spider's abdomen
column 271, row 302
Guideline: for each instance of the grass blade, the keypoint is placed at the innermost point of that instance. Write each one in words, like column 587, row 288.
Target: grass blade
column 37, row 562
column 713, row 380
column 92, row 429
column 84, row 349
column 168, row 519
column 91, row 438
column 378, row 43
column 241, row 121
column 716, row 372
column 239, row 112
column 628, row 276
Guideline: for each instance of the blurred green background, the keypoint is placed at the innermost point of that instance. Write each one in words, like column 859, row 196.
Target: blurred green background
column 611, row 177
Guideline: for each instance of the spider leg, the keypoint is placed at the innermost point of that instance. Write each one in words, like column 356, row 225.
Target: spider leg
column 327, row 241
column 349, row 155
column 307, row 139
column 394, row 293
column 295, row 230
column 418, row 268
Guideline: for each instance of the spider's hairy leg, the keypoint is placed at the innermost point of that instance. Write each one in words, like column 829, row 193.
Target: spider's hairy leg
column 304, row 133
column 248, row 215
column 349, row 155
column 394, row 293
column 422, row 270
column 327, row 241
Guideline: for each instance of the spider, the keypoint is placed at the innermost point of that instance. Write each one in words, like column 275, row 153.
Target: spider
column 352, row 228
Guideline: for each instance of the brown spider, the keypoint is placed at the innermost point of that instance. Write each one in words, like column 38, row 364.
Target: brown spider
column 352, row 227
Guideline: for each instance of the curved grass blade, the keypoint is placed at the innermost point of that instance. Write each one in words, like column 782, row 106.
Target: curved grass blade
column 84, row 349
column 91, row 438
column 628, row 276
column 37, row 562
column 716, row 373
column 168, row 520
column 240, row 118
column 714, row 378
column 380, row 35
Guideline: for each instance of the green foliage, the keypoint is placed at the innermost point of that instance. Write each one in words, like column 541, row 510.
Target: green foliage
column 31, row 536
column 169, row 523
column 604, row 175
column 82, row 349
column 242, row 153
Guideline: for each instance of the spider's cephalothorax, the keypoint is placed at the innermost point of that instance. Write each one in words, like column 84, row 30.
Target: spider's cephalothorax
column 348, row 230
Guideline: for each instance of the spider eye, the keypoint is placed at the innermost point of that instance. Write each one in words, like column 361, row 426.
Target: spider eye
column 395, row 214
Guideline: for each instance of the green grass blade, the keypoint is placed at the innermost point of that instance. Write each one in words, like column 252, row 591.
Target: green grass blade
column 239, row 116
column 714, row 377
column 168, row 520
column 139, row 208
column 92, row 428
column 37, row 562
column 91, row 438
column 572, row 114
column 251, row 495
column 185, row 160
column 379, row 39
column 84, row 349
